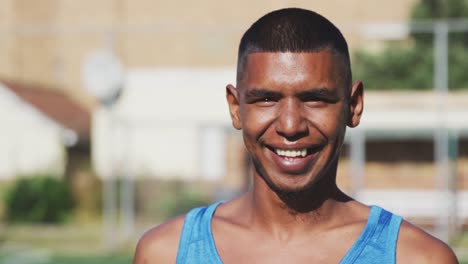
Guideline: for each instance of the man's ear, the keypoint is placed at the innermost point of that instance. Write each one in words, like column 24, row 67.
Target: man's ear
column 233, row 102
column 356, row 104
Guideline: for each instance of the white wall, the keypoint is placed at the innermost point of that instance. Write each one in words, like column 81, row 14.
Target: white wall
column 30, row 143
column 159, row 126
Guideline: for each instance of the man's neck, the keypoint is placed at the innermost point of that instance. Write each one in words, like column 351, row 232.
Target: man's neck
column 291, row 212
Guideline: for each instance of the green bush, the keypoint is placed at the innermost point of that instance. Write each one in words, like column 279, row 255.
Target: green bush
column 176, row 197
column 40, row 199
column 183, row 202
column 410, row 65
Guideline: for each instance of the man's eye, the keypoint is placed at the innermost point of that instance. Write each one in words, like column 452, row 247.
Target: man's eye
column 312, row 99
column 316, row 102
column 267, row 101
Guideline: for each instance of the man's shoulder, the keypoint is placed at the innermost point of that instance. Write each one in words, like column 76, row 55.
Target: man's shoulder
column 416, row 246
column 160, row 244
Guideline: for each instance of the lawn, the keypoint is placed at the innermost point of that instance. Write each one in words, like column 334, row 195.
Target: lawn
column 67, row 260
column 91, row 260
column 67, row 244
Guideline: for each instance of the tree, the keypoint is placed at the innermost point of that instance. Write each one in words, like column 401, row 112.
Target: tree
column 403, row 66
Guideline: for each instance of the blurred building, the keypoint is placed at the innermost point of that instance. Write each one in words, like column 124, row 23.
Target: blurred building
column 45, row 42
column 403, row 170
column 41, row 129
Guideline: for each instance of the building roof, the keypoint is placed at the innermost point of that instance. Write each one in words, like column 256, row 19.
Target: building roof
column 56, row 105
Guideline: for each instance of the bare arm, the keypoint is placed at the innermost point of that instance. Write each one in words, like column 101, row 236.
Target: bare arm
column 417, row 246
column 159, row 245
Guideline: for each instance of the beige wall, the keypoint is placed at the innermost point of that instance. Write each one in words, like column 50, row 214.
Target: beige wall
column 45, row 41
column 8, row 59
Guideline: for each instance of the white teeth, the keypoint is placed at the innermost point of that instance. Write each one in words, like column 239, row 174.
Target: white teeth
column 291, row 153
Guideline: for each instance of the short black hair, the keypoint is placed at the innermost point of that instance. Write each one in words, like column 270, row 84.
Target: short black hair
column 293, row 30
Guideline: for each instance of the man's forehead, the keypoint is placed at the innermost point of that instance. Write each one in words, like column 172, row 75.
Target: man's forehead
column 324, row 64
column 279, row 65
column 291, row 58
column 288, row 59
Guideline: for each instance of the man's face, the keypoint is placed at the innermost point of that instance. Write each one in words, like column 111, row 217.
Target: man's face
column 293, row 109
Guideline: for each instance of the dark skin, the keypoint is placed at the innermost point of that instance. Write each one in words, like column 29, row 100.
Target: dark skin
column 293, row 110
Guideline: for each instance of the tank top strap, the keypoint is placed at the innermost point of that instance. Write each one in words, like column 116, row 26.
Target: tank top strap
column 378, row 239
column 197, row 237
column 392, row 235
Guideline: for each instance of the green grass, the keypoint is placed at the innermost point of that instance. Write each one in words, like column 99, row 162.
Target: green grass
column 461, row 241
column 91, row 260
column 64, row 244
column 70, row 260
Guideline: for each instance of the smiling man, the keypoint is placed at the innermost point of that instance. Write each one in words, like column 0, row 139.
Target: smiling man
column 294, row 98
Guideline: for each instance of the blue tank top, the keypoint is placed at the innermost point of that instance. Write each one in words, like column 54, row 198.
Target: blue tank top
column 376, row 243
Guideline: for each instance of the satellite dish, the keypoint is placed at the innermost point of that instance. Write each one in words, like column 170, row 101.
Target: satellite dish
column 102, row 75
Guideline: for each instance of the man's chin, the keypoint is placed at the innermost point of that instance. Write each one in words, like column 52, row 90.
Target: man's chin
column 301, row 198
column 286, row 189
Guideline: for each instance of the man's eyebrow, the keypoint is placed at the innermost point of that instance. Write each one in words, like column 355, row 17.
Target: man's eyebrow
column 261, row 93
column 320, row 92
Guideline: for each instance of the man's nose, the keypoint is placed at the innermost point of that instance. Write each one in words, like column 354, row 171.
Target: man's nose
column 291, row 122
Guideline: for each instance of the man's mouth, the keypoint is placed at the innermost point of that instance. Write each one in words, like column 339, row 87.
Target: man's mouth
column 294, row 153
column 291, row 153
column 294, row 160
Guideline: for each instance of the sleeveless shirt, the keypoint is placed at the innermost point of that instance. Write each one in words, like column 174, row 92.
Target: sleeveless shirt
column 376, row 243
